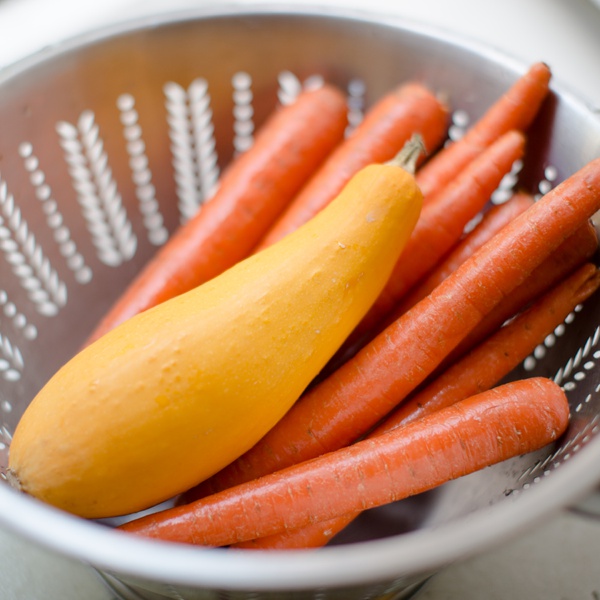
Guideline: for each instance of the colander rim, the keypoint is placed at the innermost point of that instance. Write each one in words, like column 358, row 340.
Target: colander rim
column 421, row 551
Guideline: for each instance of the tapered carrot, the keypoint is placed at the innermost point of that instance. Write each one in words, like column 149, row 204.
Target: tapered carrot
column 483, row 430
column 440, row 226
column 516, row 109
column 477, row 372
column 253, row 191
column 314, row 535
column 572, row 253
column 387, row 126
column 359, row 394
column 488, row 363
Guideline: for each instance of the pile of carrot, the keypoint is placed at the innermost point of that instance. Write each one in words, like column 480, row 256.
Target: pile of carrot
column 414, row 397
column 482, row 430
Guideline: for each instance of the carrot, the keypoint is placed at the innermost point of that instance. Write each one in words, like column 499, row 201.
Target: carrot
column 359, row 394
column 516, row 109
column 491, row 223
column 572, row 253
column 503, row 351
column 477, row 372
column 388, row 125
column 253, row 191
column 440, row 226
column 494, row 426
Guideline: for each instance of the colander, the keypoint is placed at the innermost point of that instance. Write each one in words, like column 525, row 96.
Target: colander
column 109, row 142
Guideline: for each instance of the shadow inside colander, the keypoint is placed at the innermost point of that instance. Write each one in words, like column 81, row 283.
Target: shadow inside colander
column 388, row 520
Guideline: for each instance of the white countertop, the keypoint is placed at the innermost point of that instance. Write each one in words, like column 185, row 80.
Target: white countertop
column 556, row 561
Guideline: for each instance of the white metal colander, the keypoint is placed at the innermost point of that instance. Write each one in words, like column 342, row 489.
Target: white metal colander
column 109, row 142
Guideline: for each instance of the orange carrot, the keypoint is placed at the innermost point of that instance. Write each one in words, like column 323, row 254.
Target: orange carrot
column 494, row 426
column 253, row 191
column 477, row 372
column 488, row 363
column 491, row 223
column 388, row 125
column 343, row 407
column 440, row 226
column 572, row 253
column 516, row 109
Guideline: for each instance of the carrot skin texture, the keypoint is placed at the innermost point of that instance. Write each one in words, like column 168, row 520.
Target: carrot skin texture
column 477, row 372
column 387, row 126
column 572, row 253
column 488, row 363
column 315, row 535
column 493, row 220
column 496, row 425
column 253, row 191
column 343, row 407
column 516, row 109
